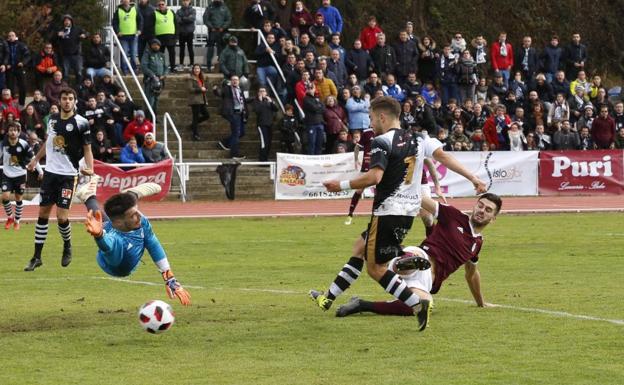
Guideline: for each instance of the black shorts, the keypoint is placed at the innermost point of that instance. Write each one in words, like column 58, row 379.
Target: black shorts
column 385, row 235
column 15, row 185
column 57, row 190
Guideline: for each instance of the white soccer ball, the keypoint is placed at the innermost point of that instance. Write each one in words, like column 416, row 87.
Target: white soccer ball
column 156, row 316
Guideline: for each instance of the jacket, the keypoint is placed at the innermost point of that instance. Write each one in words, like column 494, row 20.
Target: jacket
column 332, row 18
column 313, row 109
column 532, row 61
column 339, row 69
column 384, row 59
column 326, row 88
column 603, row 132
column 501, row 62
column 17, row 52
column 147, row 14
column 102, row 150
column 573, row 54
column 358, row 113
column 227, row 101
column 196, row 96
column 233, row 62
column 128, row 156
column 565, row 140
column 217, row 16
column 282, row 15
column 302, row 20
column 154, row 154
column 395, row 91
column 254, row 18
column 97, row 56
column 139, row 18
column 153, row 64
column 265, row 112
column 135, row 128
column 495, row 134
column 69, row 43
column 4, row 54
column 263, row 58
column 447, row 73
column 406, row 57
column 359, row 62
column 185, row 19
column 466, row 71
column 335, row 118
column 45, row 61
column 368, row 37
column 52, row 92
column 551, row 59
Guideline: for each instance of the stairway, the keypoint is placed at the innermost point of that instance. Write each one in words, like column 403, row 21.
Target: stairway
column 253, row 182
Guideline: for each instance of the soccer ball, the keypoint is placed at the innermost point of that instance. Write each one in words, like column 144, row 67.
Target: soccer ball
column 156, row 316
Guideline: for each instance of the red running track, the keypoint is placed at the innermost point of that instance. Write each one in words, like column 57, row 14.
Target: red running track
column 227, row 209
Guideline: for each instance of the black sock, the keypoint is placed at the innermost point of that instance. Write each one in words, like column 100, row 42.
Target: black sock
column 7, row 208
column 345, row 278
column 354, row 202
column 65, row 230
column 41, row 233
column 18, row 210
column 93, row 205
column 393, row 284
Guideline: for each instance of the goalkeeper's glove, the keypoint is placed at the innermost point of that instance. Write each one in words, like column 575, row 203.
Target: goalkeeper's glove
column 174, row 289
column 94, row 223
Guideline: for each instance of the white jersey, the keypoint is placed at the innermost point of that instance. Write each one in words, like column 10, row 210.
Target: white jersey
column 64, row 146
column 15, row 157
column 401, row 154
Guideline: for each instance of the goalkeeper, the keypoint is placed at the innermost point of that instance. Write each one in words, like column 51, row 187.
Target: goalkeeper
column 123, row 234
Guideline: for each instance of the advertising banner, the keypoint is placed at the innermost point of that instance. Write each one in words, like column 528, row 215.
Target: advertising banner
column 114, row 179
column 581, row 172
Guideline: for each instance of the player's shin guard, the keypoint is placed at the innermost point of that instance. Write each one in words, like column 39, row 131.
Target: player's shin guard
column 65, row 230
column 354, row 202
column 18, row 210
column 7, row 208
column 41, row 233
column 345, row 278
column 393, row 284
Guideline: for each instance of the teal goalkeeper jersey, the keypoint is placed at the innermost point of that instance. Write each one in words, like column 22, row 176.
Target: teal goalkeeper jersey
column 120, row 252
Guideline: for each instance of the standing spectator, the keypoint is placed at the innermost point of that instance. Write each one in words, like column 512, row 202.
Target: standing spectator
column 551, row 59
column 18, row 59
column 289, row 130
column 586, row 142
column 337, row 66
column 127, row 24
column 233, row 60
column 217, row 18
column 131, row 153
column 368, row 35
column 357, row 107
column 619, row 139
column 99, row 117
column 69, row 42
column 258, row 11
column 618, row 115
column 41, row 105
column 46, row 64
column 313, row 109
column 495, row 129
column 265, row 109
column 138, row 127
column 124, row 115
column 107, row 86
column 603, row 130
column 334, row 44
column 427, row 60
column 499, row 88
column 101, row 148
column 581, row 81
column 575, row 56
column 479, row 53
column 147, row 31
column 31, row 121
column 265, row 66
column 154, row 73
column 467, row 74
column 359, row 62
column 8, row 105
column 373, row 84
column 526, row 59
column 565, row 139
column 323, row 85
column 406, row 56
column 197, row 98
column 576, row 104
column 409, row 28
column 561, row 85
column 319, row 28
column 458, row 44
column 282, row 14
column 447, row 75
column 391, row 88
column 153, row 151
column 165, row 31
column 185, row 17
column 384, row 57
column 335, row 121
column 301, row 17
column 516, row 137
column 321, row 47
column 502, row 56
column 97, row 59
column 234, row 110
column 306, row 46
column 332, row 16
column 34, row 142
column 4, row 57
column 53, row 89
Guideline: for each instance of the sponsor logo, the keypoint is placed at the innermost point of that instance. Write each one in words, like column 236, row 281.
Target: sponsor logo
column 67, row 193
column 292, row 176
column 69, row 127
column 18, row 149
column 595, row 168
column 122, row 183
column 506, row 173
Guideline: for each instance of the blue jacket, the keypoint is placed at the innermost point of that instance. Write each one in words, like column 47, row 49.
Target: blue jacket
column 358, row 113
column 551, row 59
column 394, row 91
column 128, row 156
column 333, row 19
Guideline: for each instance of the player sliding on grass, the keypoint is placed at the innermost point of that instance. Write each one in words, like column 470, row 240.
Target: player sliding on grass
column 122, row 235
column 455, row 241
column 396, row 167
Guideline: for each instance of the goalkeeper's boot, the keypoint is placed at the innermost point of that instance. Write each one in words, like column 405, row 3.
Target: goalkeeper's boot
column 351, row 307
column 422, row 310
column 67, row 255
column 8, row 223
column 33, row 264
column 145, row 189
column 321, row 300
column 412, row 262
column 349, row 220
column 89, row 189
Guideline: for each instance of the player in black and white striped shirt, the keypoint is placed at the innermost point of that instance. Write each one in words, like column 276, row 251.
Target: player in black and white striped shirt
column 69, row 139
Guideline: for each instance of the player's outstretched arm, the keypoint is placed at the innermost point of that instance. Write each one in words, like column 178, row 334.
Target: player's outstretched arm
column 37, row 158
column 88, row 157
column 450, row 162
column 174, row 289
column 430, row 205
column 369, row 178
column 473, row 278
column 436, row 181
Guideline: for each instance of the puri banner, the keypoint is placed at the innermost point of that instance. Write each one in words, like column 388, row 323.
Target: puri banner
column 581, row 172
column 114, row 179
column 301, row 176
column 504, row 173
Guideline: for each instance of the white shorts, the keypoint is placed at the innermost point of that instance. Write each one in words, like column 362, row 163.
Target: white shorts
column 419, row 279
column 425, row 190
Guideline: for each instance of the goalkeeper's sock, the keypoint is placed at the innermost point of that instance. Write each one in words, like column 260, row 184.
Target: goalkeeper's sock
column 41, row 233
column 18, row 210
column 65, row 230
column 393, row 284
column 345, row 278
column 7, row 208
column 354, row 202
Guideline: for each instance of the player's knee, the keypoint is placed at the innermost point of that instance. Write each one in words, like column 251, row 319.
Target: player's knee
column 376, row 271
column 427, row 219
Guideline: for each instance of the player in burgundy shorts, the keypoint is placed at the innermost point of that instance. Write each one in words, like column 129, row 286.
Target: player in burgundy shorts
column 455, row 241
column 366, row 139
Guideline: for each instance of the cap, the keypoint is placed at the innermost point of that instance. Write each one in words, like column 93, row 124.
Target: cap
column 155, row 41
column 233, row 39
column 138, row 113
column 68, row 16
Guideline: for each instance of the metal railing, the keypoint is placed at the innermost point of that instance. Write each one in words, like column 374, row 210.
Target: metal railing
column 179, row 166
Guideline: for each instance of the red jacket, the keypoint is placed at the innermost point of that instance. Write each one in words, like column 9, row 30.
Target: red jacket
column 134, row 128
column 9, row 106
column 368, row 36
column 489, row 131
column 603, row 132
column 47, row 61
column 501, row 62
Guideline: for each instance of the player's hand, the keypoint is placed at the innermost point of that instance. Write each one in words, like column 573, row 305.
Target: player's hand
column 86, row 171
column 94, row 223
column 31, row 165
column 440, row 194
column 40, row 177
column 174, row 289
column 332, row 185
column 479, row 185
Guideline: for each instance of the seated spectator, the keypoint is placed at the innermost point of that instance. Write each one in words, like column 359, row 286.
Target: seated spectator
column 54, row 109
column 516, row 137
column 544, row 90
column 31, row 122
column 99, row 117
column 269, row 27
column 357, row 108
column 565, row 138
column 153, row 151
column 8, row 105
column 373, row 84
column 392, row 89
column 479, row 116
column 458, row 137
column 301, row 17
column 407, row 118
column 335, row 120
column 265, row 67
column 368, row 35
column 138, row 127
column 587, row 120
column 305, row 45
column 7, row 120
column 97, row 59
column 518, row 86
column 476, row 140
column 577, row 104
column 618, row 115
column 289, row 130
column 232, row 60
column 325, row 86
column 41, row 105
column 319, row 28
column 442, row 136
column 543, row 140
column 52, row 90
column 585, row 139
column 603, row 130
column 342, row 141
column 290, row 49
column 124, row 115
column 46, row 64
column 559, row 111
column 429, row 93
column 424, row 116
column 537, row 115
column 602, row 99
column 561, row 85
column 131, row 153
column 85, row 91
column 498, row 87
column 101, row 148
column 108, row 86
column 321, row 46
column 495, row 129
column 581, row 81
column 619, row 139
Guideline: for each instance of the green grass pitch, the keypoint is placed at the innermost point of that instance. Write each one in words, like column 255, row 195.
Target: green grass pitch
column 252, row 323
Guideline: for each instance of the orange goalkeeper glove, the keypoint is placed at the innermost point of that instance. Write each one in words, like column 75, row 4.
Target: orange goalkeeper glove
column 175, row 290
column 94, row 223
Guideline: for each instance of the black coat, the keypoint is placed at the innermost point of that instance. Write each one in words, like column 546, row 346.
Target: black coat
column 227, row 101
column 265, row 112
column 253, row 18
column 384, row 59
column 22, row 53
column 147, row 14
column 406, row 57
column 4, row 54
column 97, row 56
column 533, row 61
column 551, row 59
column 313, row 109
column 70, row 43
column 359, row 62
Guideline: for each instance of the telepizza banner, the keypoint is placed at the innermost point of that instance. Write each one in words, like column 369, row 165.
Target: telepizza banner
column 581, row 172
column 301, row 176
column 114, row 179
column 504, row 173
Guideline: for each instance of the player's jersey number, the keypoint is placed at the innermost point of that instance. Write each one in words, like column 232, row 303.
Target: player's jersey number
column 411, row 163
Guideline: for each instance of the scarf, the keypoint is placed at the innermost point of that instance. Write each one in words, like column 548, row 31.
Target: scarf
column 480, row 55
column 503, row 49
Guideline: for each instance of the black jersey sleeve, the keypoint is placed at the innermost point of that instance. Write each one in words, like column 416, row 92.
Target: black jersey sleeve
column 84, row 129
column 380, row 152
